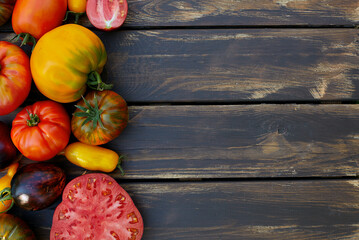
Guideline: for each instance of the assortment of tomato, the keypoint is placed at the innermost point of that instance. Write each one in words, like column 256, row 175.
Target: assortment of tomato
column 66, row 64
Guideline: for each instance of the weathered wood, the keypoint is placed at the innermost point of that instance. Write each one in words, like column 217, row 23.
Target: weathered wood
column 237, row 141
column 233, row 65
column 238, row 210
column 228, row 12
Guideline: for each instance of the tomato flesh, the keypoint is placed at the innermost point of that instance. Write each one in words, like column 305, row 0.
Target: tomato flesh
column 107, row 14
column 94, row 206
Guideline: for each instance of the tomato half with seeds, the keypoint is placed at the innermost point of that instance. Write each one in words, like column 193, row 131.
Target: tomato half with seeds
column 107, row 14
column 100, row 117
column 95, row 206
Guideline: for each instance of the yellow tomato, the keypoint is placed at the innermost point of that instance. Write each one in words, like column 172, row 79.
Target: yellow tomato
column 92, row 157
column 6, row 200
column 65, row 60
column 77, row 6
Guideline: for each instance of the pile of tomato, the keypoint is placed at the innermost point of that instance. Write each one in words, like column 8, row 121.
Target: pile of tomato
column 65, row 65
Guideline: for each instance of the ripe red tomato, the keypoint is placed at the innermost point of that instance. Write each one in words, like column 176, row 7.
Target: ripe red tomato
column 94, row 206
column 41, row 130
column 100, row 117
column 106, row 14
column 36, row 17
column 15, row 77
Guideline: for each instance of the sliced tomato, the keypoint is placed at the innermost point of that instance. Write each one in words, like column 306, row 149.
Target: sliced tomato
column 106, row 14
column 95, row 206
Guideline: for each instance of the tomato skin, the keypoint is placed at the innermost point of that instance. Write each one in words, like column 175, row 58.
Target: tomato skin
column 95, row 202
column 114, row 118
column 15, row 77
column 16, row 226
column 7, row 149
column 107, row 14
column 6, row 8
column 77, row 6
column 37, row 185
column 56, row 70
column 38, row 17
column 91, row 157
column 46, row 138
column 6, row 200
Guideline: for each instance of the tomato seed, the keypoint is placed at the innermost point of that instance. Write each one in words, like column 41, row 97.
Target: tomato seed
column 115, row 235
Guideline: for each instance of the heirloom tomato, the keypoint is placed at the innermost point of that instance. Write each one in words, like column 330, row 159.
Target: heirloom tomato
column 76, row 7
column 33, row 18
column 95, row 206
column 13, row 228
column 65, row 60
column 41, row 131
column 106, row 14
column 37, row 185
column 6, row 199
column 100, row 117
column 7, row 149
column 15, row 77
column 6, row 8
column 93, row 158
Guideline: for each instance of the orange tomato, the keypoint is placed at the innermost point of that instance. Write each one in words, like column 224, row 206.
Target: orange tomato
column 6, row 200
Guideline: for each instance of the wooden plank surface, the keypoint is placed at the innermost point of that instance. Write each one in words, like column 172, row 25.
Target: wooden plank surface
column 232, row 65
column 237, row 141
column 189, row 13
column 255, row 210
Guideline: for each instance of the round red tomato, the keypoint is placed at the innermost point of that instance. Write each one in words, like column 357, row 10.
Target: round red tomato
column 15, row 77
column 106, row 14
column 94, row 206
column 100, row 117
column 36, row 17
column 41, row 130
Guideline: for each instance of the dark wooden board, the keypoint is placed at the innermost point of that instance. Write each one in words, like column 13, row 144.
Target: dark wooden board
column 168, row 13
column 233, row 65
column 237, row 141
column 285, row 210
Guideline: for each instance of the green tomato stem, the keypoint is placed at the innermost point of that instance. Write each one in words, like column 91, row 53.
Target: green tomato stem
column 5, row 195
column 119, row 165
column 94, row 82
column 34, row 119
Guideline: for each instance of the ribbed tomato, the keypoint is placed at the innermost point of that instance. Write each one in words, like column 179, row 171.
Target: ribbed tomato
column 15, row 77
column 6, row 8
column 100, row 117
column 34, row 18
column 95, row 206
column 42, row 130
column 67, row 59
column 107, row 14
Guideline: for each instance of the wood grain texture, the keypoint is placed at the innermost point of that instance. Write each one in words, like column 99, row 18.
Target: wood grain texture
column 237, row 210
column 238, row 12
column 237, row 141
column 233, row 65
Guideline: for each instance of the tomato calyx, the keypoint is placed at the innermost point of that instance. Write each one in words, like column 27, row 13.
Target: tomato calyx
column 94, row 82
column 91, row 113
column 5, row 195
column 26, row 38
column 119, row 165
column 76, row 14
column 34, row 119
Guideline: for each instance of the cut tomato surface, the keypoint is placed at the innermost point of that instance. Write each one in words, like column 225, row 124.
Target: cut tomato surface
column 94, row 206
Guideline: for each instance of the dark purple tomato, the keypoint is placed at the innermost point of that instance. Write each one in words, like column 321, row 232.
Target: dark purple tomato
column 7, row 148
column 13, row 228
column 36, row 186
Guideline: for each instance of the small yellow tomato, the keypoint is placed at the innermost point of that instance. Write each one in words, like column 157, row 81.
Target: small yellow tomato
column 77, row 6
column 92, row 157
column 6, row 200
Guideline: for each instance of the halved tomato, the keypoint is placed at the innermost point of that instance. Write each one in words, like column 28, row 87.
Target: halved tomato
column 95, row 206
column 107, row 14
